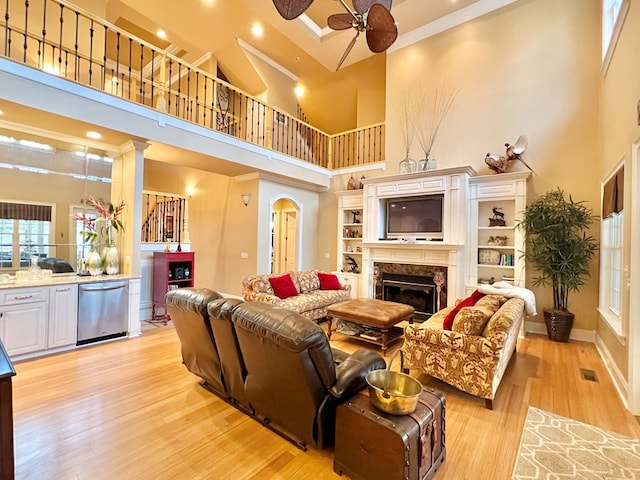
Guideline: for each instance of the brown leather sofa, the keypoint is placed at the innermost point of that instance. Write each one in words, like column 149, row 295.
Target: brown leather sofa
column 188, row 311
column 274, row 364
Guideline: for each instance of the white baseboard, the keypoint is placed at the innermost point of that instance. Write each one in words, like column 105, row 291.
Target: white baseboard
column 617, row 378
column 576, row 333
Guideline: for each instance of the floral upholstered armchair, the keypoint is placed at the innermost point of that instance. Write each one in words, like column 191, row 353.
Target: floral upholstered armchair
column 473, row 355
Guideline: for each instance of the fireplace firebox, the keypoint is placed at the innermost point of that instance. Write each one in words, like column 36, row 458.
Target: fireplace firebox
column 419, row 291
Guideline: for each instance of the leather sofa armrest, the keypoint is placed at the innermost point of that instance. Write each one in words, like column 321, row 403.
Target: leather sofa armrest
column 351, row 372
column 339, row 356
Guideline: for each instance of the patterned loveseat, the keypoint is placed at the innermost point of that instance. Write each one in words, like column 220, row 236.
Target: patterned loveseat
column 310, row 300
column 474, row 354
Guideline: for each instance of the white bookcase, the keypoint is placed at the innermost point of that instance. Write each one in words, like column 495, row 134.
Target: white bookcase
column 496, row 245
column 350, row 230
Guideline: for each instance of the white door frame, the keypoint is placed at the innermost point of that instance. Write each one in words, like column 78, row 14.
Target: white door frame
column 633, row 376
column 298, row 207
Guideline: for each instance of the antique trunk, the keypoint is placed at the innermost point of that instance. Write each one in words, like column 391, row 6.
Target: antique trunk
column 371, row 444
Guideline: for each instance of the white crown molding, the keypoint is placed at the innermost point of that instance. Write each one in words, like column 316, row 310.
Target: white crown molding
column 311, row 26
column 454, row 19
column 264, row 58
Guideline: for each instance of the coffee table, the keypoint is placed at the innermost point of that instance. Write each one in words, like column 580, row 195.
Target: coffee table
column 380, row 315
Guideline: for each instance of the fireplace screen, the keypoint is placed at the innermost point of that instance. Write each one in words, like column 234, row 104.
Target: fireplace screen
column 415, row 290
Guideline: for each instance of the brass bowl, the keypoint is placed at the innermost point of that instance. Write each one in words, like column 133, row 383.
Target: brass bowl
column 393, row 392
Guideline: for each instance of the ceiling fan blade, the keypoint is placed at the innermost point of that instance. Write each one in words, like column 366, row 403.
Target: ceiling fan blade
column 348, row 50
column 290, row 9
column 381, row 28
column 340, row 21
column 362, row 6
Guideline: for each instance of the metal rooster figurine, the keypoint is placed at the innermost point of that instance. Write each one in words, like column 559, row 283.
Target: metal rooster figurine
column 502, row 163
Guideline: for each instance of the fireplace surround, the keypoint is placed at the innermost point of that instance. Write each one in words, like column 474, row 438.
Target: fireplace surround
column 412, row 285
column 447, row 255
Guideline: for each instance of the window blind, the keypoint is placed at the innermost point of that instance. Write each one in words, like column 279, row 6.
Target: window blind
column 613, row 194
column 25, row 211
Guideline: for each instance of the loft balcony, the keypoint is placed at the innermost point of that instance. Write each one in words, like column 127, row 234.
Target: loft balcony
column 59, row 39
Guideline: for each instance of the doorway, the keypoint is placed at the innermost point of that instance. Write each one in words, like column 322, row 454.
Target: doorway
column 285, row 234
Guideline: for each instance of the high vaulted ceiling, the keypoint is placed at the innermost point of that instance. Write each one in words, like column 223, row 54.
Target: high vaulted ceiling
column 305, row 47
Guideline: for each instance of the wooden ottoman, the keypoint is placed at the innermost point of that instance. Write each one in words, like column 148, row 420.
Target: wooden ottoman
column 381, row 316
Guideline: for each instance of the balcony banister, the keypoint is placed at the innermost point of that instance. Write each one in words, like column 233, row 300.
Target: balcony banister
column 79, row 41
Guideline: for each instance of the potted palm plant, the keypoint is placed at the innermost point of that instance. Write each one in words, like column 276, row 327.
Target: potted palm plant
column 559, row 249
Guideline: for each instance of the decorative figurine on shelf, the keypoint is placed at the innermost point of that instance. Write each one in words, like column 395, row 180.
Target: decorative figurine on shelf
column 360, row 184
column 351, row 265
column 498, row 240
column 498, row 218
column 502, row 163
column 356, row 214
column 352, row 184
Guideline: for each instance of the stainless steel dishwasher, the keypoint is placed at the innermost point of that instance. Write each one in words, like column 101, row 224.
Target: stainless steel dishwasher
column 103, row 311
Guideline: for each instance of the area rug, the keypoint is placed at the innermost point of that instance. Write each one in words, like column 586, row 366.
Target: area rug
column 558, row 448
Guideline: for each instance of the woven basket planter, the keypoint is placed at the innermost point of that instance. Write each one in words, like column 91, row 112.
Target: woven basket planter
column 559, row 324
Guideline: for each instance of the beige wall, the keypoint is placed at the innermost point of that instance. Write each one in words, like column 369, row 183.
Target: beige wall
column 220, row 225
column 530, row 68
column 619, row 128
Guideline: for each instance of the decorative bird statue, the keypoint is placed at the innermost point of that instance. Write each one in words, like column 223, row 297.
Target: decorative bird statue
column 502, row 163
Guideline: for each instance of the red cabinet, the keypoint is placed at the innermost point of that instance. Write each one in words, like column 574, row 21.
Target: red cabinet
column 171, row 270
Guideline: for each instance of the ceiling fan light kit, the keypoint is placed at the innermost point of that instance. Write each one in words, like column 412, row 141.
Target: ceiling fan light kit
column 370, row 16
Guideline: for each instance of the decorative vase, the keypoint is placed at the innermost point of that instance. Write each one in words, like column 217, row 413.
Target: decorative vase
column 408, row 165
column 111, row 260
column 427, row 163
column 559, row 324
column 93, row 262
column 431, row 162
column 110, row 254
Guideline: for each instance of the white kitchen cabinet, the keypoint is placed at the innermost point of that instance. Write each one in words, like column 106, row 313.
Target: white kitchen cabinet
column 23, row 320
column 63, row 315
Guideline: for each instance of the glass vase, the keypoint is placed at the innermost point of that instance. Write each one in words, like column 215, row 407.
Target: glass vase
column 111, row 260
column 93, row 262
column 431, row 163
column 408, row 165
column 427, row 163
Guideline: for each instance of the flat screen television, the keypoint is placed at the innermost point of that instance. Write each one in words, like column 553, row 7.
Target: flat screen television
column 418, row 217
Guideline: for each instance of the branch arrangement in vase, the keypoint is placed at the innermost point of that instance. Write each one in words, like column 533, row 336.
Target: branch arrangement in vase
column 432, row 111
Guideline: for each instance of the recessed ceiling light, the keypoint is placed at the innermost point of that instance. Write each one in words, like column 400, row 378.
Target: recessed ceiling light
column 257, row 30
column 94, row 135
column 161, row 34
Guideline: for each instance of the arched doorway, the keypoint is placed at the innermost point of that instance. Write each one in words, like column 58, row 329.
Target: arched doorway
column 285, row 235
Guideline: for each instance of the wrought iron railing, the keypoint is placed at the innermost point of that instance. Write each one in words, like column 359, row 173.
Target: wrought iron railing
column 62, row 39
column 165, row 218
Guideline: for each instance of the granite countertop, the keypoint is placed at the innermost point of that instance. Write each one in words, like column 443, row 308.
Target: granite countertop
column 61, row 279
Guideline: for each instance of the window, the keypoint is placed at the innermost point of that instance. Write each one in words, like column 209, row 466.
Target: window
column 20, row 239
column 611, row 253
column 613, row 14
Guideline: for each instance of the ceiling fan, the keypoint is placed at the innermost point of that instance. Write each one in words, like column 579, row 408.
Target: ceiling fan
column 370, row 16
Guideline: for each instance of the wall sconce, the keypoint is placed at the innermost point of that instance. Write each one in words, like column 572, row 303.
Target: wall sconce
column 246, row 197
column 189, row 190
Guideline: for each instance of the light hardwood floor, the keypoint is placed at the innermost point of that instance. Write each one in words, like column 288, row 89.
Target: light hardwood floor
column 129, row 409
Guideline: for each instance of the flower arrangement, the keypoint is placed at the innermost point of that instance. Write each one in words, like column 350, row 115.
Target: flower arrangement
column 108, row 213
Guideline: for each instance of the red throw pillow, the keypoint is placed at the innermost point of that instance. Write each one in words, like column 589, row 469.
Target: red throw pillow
column 283, row 286
column 470, row 301
column 328, row 281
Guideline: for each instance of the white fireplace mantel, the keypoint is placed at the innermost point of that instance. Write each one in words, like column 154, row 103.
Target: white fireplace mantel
column 449, row 253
